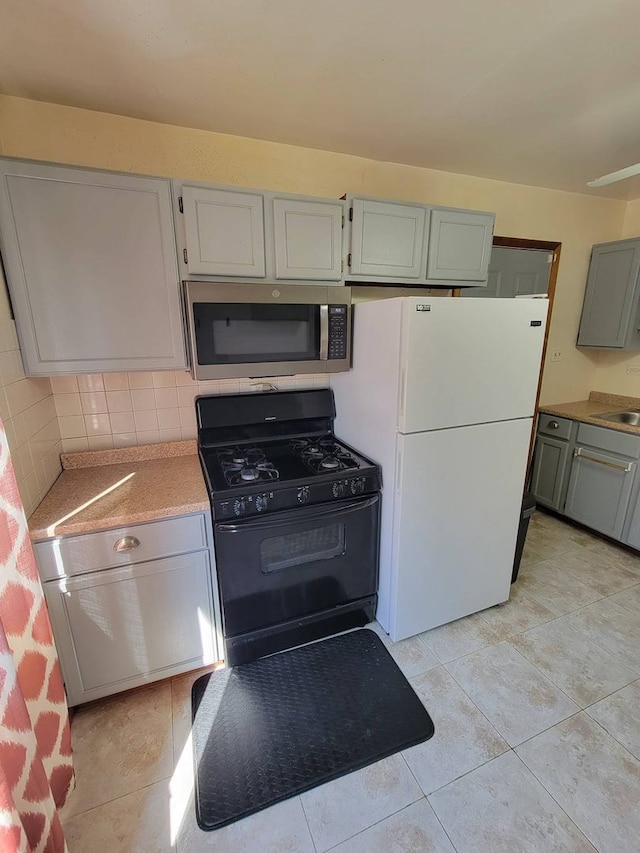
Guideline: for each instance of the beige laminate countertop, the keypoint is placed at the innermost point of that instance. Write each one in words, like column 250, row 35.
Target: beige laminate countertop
column 597, row 404
column 114, row 488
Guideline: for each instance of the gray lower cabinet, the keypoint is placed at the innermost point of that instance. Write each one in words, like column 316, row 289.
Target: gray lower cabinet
column 551, row 461
column 601, row 479
column 91, row 267
column 611, row 310
column 549, row 471
column 122, row 626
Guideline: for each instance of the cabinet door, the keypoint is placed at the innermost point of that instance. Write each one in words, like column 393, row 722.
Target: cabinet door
column 91, row 266
column 387, row 239
column 549, row 467
column 599, row 489
column 123, row 627
column 224, row 232
column 308, row 239
column 459, row 245
column 610, row 296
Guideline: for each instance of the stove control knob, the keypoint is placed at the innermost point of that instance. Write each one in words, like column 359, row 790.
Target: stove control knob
column 239, row 506
column 261, row 503
column 303, row 494
column 357, row 486
column 338, row 488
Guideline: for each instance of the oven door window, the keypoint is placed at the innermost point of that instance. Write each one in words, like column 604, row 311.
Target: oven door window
column 237, row 333
column 306, row 546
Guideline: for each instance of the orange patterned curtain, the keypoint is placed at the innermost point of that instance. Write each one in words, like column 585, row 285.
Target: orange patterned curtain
column 36, row 772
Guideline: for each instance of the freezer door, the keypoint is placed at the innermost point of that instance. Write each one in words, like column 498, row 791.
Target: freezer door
column 469, row 361
column 458, row 505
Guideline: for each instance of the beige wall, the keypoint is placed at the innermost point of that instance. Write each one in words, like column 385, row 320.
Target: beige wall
column 63, row 134
column 28, row 414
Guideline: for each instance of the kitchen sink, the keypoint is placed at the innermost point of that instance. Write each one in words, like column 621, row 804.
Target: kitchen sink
column 631, row 417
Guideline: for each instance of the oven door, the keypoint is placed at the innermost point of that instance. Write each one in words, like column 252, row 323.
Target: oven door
column 296, row 563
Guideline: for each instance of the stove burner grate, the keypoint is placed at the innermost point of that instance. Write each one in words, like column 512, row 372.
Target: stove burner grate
column 323, row 455
column 246, row 465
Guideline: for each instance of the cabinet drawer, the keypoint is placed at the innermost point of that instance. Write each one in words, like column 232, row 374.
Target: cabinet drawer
column 612, row 440
column 555, row 426
column 76, row 555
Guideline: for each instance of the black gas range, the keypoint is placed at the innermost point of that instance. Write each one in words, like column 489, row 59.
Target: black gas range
column 296, row 520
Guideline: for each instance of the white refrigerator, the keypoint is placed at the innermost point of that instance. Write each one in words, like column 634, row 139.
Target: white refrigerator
column 442, row 395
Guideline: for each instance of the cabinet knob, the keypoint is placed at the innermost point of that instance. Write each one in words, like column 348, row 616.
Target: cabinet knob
column 553, row 425
column 127, row 543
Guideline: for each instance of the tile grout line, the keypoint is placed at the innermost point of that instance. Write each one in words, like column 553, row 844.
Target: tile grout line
column 426, row 798
column 544, row 788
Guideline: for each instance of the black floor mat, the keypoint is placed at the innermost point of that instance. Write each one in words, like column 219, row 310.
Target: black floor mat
column 270, row 729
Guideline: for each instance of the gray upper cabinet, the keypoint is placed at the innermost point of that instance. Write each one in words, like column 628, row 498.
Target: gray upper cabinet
column 240, row 235
column 224, row 232
column 91, row 268
column 459, row 245
column 402, row 243
column 387, row 240
column 308, row 239
column 610, row 311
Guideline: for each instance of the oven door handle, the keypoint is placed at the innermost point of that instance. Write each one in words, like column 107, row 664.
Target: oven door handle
column 296, row 515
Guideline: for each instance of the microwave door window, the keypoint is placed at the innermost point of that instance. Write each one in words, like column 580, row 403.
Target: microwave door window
column 240, row 333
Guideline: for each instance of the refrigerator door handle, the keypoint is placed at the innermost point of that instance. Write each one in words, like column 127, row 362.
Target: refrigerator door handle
column 399, row 471
column 403, row 389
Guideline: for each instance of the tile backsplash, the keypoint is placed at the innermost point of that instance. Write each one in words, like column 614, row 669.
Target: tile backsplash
column 29, row 417
column 104, row 410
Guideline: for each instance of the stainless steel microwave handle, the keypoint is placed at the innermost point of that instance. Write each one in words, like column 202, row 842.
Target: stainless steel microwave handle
column 324, row 332
column 297, row 515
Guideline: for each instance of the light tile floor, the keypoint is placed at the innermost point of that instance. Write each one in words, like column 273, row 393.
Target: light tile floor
column 537, row 744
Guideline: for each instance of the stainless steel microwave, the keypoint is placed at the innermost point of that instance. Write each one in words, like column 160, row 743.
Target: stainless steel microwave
column 253, row 330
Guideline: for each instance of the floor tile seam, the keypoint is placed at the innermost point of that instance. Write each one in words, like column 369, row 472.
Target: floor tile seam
column 382, row 820
column 472, row 769
column 544, row 788
column 306, row 820
column 567, row 612
column 376, row 822
column 576, row 701
column 70, row 817
column 540, row 781
column 519, row 633
column 634, row 757
column 587, row 584
column 543, row 674
column 479, row 710
column 466, row 654
column 602, row 646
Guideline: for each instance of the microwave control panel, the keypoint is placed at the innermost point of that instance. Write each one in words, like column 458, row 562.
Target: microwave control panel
column 337, row 331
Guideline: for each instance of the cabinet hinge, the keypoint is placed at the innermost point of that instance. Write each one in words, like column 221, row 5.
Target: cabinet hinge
column 184, row 255
column 350, row 214
column 343, row 220
column 180, row 204
column 349, row 259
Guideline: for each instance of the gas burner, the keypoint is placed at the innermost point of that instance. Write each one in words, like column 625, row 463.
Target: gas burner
column 323, row 454
column 330, row 462
column 249, row 474
column 246, row 465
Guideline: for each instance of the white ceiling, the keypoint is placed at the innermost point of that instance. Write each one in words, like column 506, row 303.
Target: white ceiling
column 542, row 92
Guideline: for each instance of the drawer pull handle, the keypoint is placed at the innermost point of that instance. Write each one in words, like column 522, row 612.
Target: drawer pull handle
column 553, row 425
column 127, row 543
column 623, row 468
